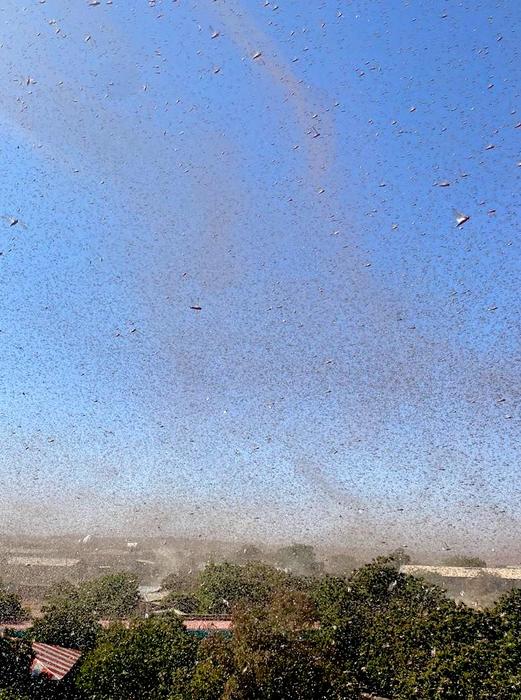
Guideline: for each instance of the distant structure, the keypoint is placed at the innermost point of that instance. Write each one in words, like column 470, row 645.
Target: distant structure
column 204, row 627
column 33, row 573
column 512, row 573
column 42, row 561
column 14, row 629
column 153, row 594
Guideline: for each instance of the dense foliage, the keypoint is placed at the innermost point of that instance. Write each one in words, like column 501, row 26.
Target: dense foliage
column 15, row 660
column 11, row 609
column 140, row 662
column 72, row 612
column 222, row 586
column 113, row 597
column 68, row 625
column 311, row 638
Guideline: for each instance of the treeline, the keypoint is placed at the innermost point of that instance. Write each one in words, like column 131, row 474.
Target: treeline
column 294, row 637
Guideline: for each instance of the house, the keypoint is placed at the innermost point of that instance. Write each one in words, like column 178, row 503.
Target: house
column 53, row 661
column 14, row 629
column 204, row 626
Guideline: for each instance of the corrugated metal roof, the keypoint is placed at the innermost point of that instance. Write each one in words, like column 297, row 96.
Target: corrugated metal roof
column 53, row 661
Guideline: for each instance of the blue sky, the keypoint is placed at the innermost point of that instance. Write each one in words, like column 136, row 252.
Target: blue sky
column 344, row 376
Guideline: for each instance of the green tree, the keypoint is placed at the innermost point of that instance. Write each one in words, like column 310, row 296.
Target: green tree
column 504, row 681
column 68, row 621
column 292, row 611
column 394, row 634
column 276, row 655
column 113, row 597
column 392, row 614
column 15, row 661
column 404, row 638
column 213, row 669
column 140, row 663
column 341, row 628
column 508, row 608
column 61, row 593
column 11, row 609
column 183, row 591
column 71, row 613
column 221, row 586
column 67, row 626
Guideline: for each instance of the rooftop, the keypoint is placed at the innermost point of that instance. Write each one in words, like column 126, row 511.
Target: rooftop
column 53, row 661
column 198, row 625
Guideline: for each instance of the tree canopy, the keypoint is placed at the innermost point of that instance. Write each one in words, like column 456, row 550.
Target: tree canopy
column 221, row 586
column 140, row 662
column 308, row 638
column 15, row 661
column 11, row 609
column 71, row 613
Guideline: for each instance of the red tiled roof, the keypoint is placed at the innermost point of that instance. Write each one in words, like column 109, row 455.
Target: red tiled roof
column 197, row 625
column 15, row 626
column 53, row 661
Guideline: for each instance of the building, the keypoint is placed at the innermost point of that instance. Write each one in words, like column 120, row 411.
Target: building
column 53, row 661
column 512, row 573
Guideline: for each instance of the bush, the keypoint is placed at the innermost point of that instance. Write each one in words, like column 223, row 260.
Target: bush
column 140, row 662
column 15, row 661
column 11, row 609
column 221, row 586
column 67, row 625
column 114, row 596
